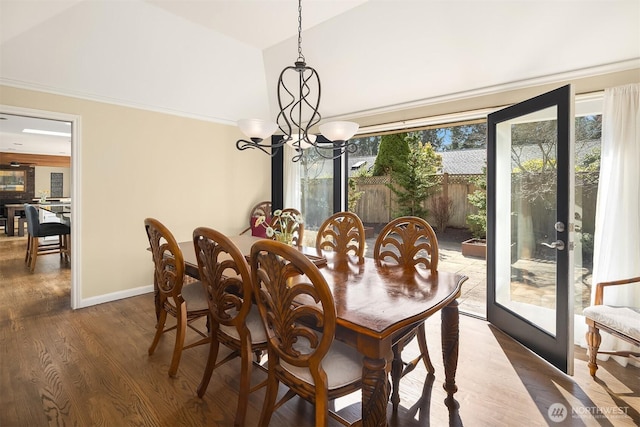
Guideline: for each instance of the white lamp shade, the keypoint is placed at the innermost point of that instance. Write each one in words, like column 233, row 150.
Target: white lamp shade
column 339, row 131
column 303, row 144
column 256, row 128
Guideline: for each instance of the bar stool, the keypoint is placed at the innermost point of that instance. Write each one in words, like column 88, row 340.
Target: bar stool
column 36, row 230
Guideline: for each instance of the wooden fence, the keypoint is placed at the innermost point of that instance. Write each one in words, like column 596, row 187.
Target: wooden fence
column 376, row 205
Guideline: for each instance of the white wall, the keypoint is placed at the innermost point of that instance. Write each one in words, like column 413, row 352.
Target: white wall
column 135, row 164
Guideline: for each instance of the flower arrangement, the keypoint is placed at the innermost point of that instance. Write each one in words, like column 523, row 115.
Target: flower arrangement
column 43, row 195
column 282, row 226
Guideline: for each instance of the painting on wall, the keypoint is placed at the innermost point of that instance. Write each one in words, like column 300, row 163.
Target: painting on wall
column 12, row 180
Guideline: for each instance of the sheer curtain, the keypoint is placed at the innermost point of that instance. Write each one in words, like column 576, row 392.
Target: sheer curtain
column 617, row 229
column 291, row 177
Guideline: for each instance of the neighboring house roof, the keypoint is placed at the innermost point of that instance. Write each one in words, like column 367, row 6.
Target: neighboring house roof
column 453, row 162
column 463, row 162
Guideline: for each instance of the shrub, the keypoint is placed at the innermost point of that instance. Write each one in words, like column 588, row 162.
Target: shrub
column 478, row 221
column 441, row 209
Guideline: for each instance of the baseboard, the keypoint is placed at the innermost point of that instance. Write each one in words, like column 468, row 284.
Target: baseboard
column 128, row 293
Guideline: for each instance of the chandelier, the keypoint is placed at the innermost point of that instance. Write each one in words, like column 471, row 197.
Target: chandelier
column 298, row 114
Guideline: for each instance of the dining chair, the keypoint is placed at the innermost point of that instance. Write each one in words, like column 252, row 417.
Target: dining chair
column 234, row 319
column 187, row 302
column 297, row 308
column 295, row 229
column 260, row 209
column 408, row 241
column 39, row 230
column 343, row 233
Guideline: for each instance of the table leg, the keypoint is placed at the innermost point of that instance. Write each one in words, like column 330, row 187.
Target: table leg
column 375, row 392
column 8, row 228
column 450, row 341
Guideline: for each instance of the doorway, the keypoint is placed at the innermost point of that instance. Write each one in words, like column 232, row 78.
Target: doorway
column 75, row 131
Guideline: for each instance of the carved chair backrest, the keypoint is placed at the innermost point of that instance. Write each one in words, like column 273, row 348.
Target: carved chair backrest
column 167, row 259
column 296, row 306
column 224, row 272
column 261, row 209
column 407, row 241
column 33, row 222
column 343, row 233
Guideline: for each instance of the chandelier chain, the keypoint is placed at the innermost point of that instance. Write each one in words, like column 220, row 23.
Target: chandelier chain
column 298, row 115
column 300, row 55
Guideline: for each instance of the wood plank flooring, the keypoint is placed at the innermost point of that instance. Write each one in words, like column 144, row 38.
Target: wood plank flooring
column 90, row 367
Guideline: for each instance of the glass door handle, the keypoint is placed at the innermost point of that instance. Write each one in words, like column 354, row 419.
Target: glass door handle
column 558, row 244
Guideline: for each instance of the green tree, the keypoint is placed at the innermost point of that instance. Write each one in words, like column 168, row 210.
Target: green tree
column 468, row 136
column 367, row 146
column 435, row 137
column 478, row 221
column 392, row 154
column 588, row 128
column 588, row 170
column 416, row 181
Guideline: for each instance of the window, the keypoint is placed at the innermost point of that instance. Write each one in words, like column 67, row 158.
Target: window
column 462, row 147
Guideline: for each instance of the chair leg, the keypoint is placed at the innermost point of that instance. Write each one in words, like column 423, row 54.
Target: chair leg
column 26, row 257
column 396, row 374
column 245, row 380
column 61, row 245
column 270, row 396
column 214, row 346
column 65, row 247
column 398, row 369
column 181, row 331
column 34, row 253
column 162, row 318
column 593, row 342
column 424, row 351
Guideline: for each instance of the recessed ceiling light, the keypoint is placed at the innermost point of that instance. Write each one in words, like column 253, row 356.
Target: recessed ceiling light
column 46, row 132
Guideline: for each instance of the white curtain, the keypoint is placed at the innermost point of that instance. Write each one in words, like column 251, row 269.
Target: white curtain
column 617, row 228
column 291, row 177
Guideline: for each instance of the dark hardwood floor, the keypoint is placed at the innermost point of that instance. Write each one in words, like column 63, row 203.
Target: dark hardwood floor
column 90, row 367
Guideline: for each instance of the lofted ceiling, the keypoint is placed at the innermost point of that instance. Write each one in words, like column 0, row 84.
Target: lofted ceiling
column 219, row 60
column 259, row 23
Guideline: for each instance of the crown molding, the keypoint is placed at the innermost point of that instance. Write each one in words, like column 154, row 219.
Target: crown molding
column 113, row 101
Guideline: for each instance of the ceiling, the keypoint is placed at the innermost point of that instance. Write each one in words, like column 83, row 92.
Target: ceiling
column 259, row 23
column 13, row 139
column 219, row 60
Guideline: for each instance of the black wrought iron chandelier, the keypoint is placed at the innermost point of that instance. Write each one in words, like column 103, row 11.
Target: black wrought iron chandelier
column 298, row 114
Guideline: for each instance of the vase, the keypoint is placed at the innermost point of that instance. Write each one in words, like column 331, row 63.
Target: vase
column 285, row 238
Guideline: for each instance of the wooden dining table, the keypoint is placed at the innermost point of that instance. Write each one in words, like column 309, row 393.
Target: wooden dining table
column 375, row 305
column 11, row 209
